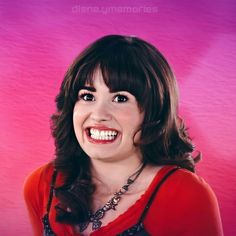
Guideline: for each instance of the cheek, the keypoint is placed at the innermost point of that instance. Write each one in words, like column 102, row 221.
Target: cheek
column 78, row 118
column 79, row 113
column 132, row 120
column 131, row 111
column 134, row 117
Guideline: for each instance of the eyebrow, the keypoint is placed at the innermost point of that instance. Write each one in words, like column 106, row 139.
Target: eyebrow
column 92, row 89
column 89, row 88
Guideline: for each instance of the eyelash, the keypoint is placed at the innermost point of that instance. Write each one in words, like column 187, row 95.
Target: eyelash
column 82, row 97
column 121, row 95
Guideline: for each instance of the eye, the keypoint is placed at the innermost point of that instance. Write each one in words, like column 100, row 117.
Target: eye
column 86, row 97
column 120, row 98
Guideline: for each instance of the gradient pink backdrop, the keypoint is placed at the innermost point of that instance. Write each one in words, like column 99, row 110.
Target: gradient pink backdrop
column 38, row 41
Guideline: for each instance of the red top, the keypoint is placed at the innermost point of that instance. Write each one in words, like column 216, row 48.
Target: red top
column 185, row 205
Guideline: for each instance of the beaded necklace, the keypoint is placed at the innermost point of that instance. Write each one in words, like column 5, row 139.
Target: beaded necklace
column 95, row 218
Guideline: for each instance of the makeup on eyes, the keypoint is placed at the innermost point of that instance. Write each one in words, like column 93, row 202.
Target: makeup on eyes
column 86, row 96
column 123, row 98
column 119, row 97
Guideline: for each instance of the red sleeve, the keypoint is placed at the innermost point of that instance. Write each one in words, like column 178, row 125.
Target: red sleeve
column 199, row 208
column 35, row 194
column 185, row 205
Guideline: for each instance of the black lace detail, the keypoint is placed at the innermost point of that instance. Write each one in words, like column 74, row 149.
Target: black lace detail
column 47, row 230
column 137, row 230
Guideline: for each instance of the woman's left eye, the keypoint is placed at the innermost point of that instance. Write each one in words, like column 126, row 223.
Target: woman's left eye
column 120, row 98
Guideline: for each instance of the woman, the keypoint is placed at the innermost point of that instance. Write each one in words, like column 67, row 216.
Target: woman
column 123, row 161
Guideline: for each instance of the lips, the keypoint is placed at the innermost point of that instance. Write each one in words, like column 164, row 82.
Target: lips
column 101, row 135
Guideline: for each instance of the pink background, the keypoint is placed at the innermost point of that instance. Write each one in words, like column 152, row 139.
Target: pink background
column 38, row 41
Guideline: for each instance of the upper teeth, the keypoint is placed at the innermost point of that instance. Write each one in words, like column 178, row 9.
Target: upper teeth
column 102, row 134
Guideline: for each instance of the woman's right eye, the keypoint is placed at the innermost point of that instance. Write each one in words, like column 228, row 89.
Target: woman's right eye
column 86, row 97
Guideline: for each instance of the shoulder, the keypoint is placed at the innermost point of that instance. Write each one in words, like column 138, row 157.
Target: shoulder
column 40, row 175
column 189, row 184
column 185, row 192
column 38, row 182
column 188, row 187
column 188, row 200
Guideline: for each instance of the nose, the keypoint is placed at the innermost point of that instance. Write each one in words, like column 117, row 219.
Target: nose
column 101, row 112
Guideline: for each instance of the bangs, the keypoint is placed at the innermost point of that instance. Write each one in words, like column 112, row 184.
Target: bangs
column 120, row 68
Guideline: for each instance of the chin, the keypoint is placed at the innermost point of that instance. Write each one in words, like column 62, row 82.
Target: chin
column 103, row 158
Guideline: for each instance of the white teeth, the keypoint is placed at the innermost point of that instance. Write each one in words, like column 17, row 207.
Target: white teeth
column 103, row 134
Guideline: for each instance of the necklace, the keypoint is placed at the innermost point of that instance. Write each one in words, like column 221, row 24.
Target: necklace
column 95, row 218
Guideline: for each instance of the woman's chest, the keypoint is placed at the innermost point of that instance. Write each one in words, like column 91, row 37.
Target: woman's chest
column 101, row 217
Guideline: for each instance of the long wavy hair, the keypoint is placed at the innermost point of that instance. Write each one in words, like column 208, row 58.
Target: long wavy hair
column 130, row 64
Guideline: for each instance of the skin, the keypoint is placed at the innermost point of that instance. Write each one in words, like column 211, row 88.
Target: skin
column 104, row 110
column 113, row 161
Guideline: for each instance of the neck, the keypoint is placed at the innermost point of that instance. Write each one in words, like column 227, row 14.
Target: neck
column 109, row 177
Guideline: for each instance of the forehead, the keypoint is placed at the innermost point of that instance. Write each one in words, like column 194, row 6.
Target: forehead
column 96, row 82
column 95, row 79
column 116, row 78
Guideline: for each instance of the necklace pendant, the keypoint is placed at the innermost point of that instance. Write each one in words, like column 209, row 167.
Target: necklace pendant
column 115, row 200
column 98, row 215
column 126, row 187
column 96, row 224
column 129, row 181
column 113, row 207
column 94, row 219
column 118, row 193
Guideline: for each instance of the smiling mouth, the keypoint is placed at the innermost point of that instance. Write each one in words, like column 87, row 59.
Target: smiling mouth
column 102, row 135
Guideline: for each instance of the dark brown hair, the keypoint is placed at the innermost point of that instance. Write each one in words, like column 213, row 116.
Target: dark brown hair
column 130, row 64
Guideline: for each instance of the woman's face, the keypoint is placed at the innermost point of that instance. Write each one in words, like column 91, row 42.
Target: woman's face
column 106, row 123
